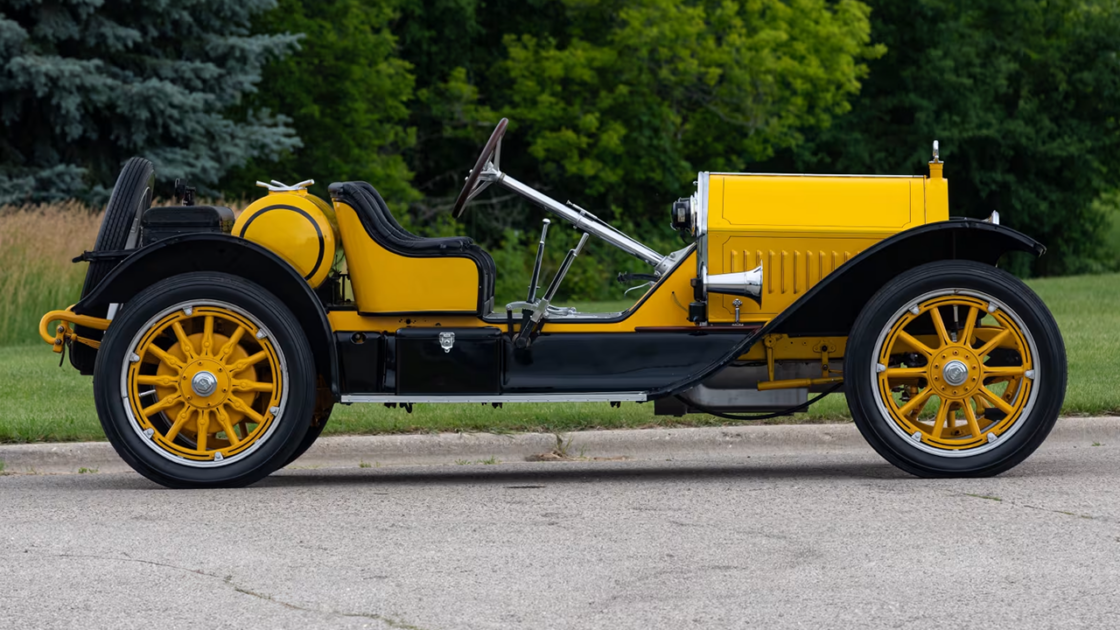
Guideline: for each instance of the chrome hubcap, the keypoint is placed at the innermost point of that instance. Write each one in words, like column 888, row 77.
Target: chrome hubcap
column 204, row 383
column 955, row 372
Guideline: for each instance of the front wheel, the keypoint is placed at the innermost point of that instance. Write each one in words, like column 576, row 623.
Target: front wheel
column 955, row 369
column 205, row 380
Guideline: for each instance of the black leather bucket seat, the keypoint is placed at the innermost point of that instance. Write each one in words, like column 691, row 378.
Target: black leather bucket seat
column 384, row 229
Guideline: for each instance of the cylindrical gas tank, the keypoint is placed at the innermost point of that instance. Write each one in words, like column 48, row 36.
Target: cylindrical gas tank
column 296, row 226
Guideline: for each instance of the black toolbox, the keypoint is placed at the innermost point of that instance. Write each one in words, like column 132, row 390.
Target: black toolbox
column 165, row 222
column 449, row 360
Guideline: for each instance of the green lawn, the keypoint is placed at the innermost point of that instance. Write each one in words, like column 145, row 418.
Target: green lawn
column 41, row 402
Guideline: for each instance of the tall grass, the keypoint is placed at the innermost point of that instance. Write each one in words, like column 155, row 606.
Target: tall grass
column 37, row 243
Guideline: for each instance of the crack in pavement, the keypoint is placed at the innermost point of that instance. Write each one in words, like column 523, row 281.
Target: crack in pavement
column 1087, row 517
column 228, row 580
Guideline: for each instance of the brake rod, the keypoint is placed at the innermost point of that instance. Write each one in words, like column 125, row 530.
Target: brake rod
column 537, row 264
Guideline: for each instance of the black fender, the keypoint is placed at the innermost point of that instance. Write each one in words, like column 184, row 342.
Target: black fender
column 227, row 254
column 831, row 307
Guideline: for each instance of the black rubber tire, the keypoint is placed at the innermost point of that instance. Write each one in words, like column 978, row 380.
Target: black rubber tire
column 313, row 433
column 131, row 195
column 286, row 333
column 860, row 387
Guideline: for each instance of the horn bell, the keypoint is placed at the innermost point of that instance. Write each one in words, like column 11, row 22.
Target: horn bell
column 745, row 283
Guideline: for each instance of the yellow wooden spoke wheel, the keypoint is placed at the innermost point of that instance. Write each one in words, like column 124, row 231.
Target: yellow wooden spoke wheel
column 205, row 380
column 955, row 368
column 955, row 372
column 205, row 383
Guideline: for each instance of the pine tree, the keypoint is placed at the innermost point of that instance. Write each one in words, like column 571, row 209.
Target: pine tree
column 85, row 84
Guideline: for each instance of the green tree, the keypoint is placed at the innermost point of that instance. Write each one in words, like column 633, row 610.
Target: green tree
column 456, row 47
column 1025, row 99
column 644, row 94
column 84, row 85
column 347, row 92
column 616, row 104
column 623, row 100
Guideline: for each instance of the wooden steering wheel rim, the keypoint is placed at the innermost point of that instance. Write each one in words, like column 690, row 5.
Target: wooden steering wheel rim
column 476, row 172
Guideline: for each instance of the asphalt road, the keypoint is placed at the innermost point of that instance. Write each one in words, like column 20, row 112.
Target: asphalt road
column 816, row 539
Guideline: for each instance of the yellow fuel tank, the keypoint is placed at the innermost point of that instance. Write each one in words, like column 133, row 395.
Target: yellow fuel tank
column 296, row 226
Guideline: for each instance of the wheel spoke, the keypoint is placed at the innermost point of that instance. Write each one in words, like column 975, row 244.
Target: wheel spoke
column 969, row 327
column 161, row 404
column 231, row 344
column 996, row 401
column 152, row 379
column 180, row 420
column 248, row 361
column 915, row 344
column 240, row 405
column 904, row 372
column 243, row 426
column 939, row 326
column 1004, row 371
column 208, row 335
column 165, row 357
column 939, row 421
column 203, row 429
column 251, row 386
column 916, row 403
column 973, row 425
column 184, row 341
column 227, row 426
column 993, row 342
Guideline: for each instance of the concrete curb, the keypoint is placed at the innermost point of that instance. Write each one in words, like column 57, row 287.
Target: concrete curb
column 452, row 448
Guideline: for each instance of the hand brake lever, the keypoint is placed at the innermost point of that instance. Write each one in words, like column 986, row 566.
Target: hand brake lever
column 539, row 310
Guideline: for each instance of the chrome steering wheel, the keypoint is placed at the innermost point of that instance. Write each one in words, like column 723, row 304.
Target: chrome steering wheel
column 491, row 153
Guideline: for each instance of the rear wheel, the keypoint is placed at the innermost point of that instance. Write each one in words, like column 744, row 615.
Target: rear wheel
column 205, row 380
column 955, row 369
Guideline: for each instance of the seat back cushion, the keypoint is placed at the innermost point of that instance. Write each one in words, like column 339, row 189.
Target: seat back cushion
column 399, row 272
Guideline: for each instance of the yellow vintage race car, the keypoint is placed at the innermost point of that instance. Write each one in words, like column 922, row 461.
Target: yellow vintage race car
column 218, row 346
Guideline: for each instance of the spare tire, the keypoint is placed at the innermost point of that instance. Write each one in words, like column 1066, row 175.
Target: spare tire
column 131, row 196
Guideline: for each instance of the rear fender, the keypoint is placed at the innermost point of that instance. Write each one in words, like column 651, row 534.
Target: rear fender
column 831, row 307
column 225, row 254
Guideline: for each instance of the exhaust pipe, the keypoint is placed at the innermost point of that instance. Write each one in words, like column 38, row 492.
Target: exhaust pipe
column 745, row 283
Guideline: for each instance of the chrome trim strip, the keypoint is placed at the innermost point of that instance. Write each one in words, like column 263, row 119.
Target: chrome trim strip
column 494, row 398
column 702, row 183
column 578, row 316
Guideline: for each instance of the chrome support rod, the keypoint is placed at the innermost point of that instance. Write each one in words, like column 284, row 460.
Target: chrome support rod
column 554, row 286
column 536, row 277
column 576, row 218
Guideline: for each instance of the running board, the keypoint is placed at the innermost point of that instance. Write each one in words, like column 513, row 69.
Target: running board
column 495, row 398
